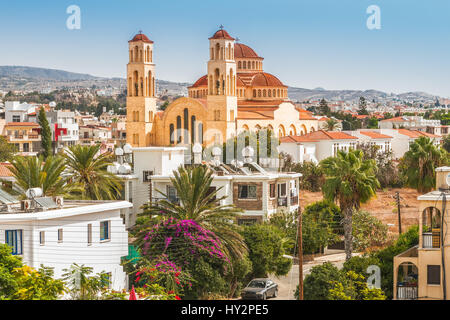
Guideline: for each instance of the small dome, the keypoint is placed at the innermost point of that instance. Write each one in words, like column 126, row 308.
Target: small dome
column 244, row 51
column 264, row 79
column 221, row 34
column 141, row 37
column 202, row 82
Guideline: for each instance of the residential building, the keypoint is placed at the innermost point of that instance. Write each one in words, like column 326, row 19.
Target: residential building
column 422, row 272
column 24, row 136
column 373, row 138
column 408, row 122
column 64, row 128
column 316, row 146
column 57, row 233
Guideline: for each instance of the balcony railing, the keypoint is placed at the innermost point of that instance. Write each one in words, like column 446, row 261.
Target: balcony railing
column 432, row 239
column 406, row 292
column 294, row 201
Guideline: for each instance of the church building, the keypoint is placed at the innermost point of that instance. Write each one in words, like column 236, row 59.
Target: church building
column 235, row 95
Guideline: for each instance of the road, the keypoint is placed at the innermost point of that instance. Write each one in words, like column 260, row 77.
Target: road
column 288, row 284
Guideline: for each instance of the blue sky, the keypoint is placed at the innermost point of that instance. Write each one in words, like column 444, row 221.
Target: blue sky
column 306, row 43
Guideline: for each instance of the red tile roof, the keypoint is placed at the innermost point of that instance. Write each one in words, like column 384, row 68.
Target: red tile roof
column 375, row 135
column 318, row 136
column 221, row 34
column 141, row 37
column 4, row 169
column 22, row 124
column 244, row 51
column 416, row 133
column 396, row 119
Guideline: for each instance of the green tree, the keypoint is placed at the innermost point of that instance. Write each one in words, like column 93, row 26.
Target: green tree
column 351, row 181
column 324, row 109
column 318, row 283
column 266, row 250
column 87, row 169
column 199, row 202
column 7, row 150
column 312, row 175
column 418, row 165
column 362, row 106
column 33, row 172
column 319, row 222
column 46, row 134
column 331, row 124
column 368, row 231
column 373, row 123
column 446, row 143
column 82, row 285
column 8, row 262
column 354, row 287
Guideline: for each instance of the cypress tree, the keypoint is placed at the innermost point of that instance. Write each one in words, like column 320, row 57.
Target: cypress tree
column 46, row 134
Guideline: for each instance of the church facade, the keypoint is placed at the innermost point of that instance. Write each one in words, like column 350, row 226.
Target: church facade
column 235, row 95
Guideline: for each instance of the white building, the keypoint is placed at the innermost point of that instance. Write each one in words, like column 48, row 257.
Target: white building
column 373, row 138
column 316, row 146
column 18, row 112
column 259, row 193
column 90, row 233
column 64, row 128
column 408, row 122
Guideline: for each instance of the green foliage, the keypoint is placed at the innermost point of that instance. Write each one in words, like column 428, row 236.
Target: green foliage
column 418, row 165
column 287, row 223
column 37, row 285
column 354, row 287
column 324, row 109
column 351, row 180
column 266, row 251
column 46, row 134
column 34, row 172
column 318, row 283
column 368, row 231
column 8, row 262
column 373, row 123
column 359, row 264
column 319, row 222
column 312, row 176
column 82, row 285
column 331, row 125
column 88, row 170
column 446, row 143
column 362, row 106
column 7, row 150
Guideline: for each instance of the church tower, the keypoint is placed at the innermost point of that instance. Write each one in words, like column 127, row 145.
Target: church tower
column 221, row 98
column 141, row 101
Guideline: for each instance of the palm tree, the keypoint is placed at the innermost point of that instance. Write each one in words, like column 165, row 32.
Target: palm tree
column 350, row 180
column 88, row 170
column 33, row 172
column 199, row 202
column 420, row 162
column 331, row 125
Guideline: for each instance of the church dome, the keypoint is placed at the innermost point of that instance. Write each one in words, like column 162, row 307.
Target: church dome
column 141, row 37
column 264, row 79
column 221, row 34
column 202, row 82
column 244, row 51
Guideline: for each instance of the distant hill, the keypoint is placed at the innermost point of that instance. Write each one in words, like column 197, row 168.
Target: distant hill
column 42, row 74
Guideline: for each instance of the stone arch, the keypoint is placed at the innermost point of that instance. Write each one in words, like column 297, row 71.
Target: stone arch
column 281, row 131
column 292, row 130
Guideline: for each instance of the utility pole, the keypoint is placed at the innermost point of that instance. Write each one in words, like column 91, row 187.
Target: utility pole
column 397, row 198
column 300, row 256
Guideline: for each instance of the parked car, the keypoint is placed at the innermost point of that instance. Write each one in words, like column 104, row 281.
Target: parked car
column 260, row 289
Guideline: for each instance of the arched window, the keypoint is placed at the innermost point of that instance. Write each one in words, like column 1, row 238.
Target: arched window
column 217, row 53
column 278, row 93
column 178, row 129
column 239, row 65
column 254, row 93
column 186, row 125
column 269, row 93
column 136, row 54
column 171, row 134
column 136, row 84
column 244, row 65
column 193, row 140
column 259, row 93
column 253, row 65
column 264, row 93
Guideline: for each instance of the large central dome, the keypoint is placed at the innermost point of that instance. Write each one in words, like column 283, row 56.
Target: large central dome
column 244, row 51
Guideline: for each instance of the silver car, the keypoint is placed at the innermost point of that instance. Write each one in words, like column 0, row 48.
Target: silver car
column 260, row 289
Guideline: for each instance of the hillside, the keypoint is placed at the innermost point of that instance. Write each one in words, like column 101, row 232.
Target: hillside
column 42, row 74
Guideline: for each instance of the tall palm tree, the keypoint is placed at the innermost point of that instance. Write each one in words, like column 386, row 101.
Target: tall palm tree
column 33, row 172
column 198, row 202
column 420, row 162
column 350, row 180
column 88, row 169
column 331, row 125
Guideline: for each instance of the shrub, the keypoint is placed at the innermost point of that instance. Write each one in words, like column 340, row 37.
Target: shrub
column 368, row 231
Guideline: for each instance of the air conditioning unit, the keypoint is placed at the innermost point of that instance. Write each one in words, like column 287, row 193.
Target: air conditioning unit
column 59, row 201
column 26, row 205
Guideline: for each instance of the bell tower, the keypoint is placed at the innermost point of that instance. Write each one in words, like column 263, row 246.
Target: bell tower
column 141, row 100
column 221, row 98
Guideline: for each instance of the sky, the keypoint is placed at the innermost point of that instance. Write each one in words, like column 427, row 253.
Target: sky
column 305, row 43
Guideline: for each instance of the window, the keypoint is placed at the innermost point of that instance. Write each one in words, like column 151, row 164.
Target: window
column 60, row 235
column 14, row 240
column 42, row 238
column 146, row 177
column 433, row 274
column 282, row 190
column 172, row 194
column 247, row 192
column 89, row 234
column 105, row 230
column 272, row 190
column 15, row 118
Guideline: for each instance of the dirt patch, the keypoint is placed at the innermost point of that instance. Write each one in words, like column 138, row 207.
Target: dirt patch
column 383, row 206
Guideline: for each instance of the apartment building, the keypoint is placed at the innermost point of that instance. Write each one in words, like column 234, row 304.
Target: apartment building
column 24, row 136
column 257, row 191
column 423, row 272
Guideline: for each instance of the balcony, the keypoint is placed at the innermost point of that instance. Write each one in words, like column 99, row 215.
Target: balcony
column 282, row 202
column 294, row 201
column 407, row 291
column 21, row 137
column 431, row 239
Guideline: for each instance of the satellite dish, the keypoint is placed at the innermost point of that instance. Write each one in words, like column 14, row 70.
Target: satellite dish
column 127, row 148
column 119, row 152
column 52, row 104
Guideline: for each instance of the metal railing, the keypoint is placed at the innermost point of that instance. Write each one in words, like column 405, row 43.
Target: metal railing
column 431, row 240
column 406, row 292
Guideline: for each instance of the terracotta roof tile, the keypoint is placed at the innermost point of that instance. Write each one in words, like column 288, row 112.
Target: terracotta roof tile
column 318, row 136
column 4, row 169
column 375, row 135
